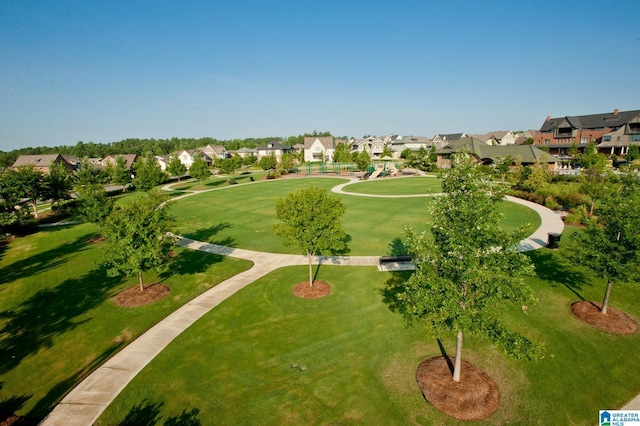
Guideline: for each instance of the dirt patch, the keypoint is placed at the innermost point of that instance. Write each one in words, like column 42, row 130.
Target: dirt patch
column 94, row 240
column 474, row 397
column 13, row 420
column 614, row 321
column 133, row 297
column 306, row 291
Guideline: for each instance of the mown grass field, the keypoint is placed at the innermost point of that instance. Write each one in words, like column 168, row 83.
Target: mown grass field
column 242, row 216
column 57, row 317
column 241, row 363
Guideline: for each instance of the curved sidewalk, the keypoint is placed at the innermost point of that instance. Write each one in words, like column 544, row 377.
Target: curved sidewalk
column 84, row 404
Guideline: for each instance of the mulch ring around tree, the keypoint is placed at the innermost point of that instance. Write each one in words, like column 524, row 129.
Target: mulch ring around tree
column 133, row 297
column 614, row 321
column 306, row 291
column 474, row 397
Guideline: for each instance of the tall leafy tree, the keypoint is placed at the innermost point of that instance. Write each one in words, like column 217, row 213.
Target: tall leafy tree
column 137, row 237
column 149, row 174
column 88, row 174
column 176, row 168
column 93, row 204
column 609, row 246
column 468, row 270
column 268, row 162
column 311, row 219
column 342, row 153
column 58, row 183
column 199, row 170
column 29, row 183
column 363, row 160
column 120, row 174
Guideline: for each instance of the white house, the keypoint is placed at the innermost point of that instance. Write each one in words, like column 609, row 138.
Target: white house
column 187, row 156
column 319, row 148
column 373, row 145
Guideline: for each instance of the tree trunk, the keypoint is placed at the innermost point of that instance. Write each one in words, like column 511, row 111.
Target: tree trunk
column 35, row 208
column 607, row 293
column 140, row 280
column 458, row 364
column 310, row 256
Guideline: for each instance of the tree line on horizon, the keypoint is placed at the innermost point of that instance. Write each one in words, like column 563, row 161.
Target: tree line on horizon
column 142, row 146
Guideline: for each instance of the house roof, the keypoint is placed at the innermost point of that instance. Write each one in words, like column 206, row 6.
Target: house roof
column 128, row 158
column 245, row 150
column 526, row 153
column 273, row 145
column 42, row 160
column 411, row 139
column 593, row 121
column 327, row 141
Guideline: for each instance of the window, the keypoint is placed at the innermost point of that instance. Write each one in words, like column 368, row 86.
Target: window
column 584, row 140
column 634, row 127
column 564, row 132
column 547, row 141
column 634, row 138
column 606, row 138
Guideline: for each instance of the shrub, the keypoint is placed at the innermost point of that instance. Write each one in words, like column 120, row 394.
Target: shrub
column 578, row 215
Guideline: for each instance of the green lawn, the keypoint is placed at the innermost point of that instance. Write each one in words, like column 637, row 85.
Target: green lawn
column 242, row 216
column 237, row 365
column 57, row 317
column 404, row 186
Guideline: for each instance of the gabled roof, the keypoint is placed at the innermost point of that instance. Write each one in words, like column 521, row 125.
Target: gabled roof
column 326, row 141
column 412, row 139
column 593, row 121
column 128, row 158
column 449, row 136
column 526, row 153
column 42, row 160
column 245, row 150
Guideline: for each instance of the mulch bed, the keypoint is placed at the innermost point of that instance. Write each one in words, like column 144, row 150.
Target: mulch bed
column 614, row 321
column 13, row 420
column 306, row 291
column 133, row 297
column 95, row 240
column 474, row 397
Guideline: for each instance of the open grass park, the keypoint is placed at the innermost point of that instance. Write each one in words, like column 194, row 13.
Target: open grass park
column 264, row 356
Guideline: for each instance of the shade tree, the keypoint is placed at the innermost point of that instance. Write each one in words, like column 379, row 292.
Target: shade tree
column 469, row 270
column 138, row 238
column 311, row 219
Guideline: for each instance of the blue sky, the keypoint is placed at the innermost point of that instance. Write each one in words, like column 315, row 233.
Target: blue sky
column 104, row 71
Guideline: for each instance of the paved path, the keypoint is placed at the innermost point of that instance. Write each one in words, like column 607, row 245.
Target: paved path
column 84, row 404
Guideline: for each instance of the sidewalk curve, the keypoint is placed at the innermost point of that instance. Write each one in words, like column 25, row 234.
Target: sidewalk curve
column 84, row 404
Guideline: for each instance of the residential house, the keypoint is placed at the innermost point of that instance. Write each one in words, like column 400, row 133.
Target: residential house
column 129, row 159
column 373, row 145
column 42, row 162
column 319, row 148
column 246, row 152
column 298, row 148
column 163, row 161
column 619, row 141
column 560, row 133
column 440, row 140
column 521, row 138
column 215, row 152
column 274, row 148
column 188, row 156
column 500, row 137
column 488, row 154
column 413, row 143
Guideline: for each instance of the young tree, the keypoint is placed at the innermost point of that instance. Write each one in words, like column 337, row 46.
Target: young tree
column 137, row 237
column 199, row 170
column 386, row 152
column 29, row 183
column 311, row 219
column 149, row 174
column 363, row 161
column 287, row 162
column 469, row 271
column 88, row 174
column 342, row 153
column 58, row 183
column 176, row 168
column 609, row 246
column 268, row 162
column 93, row 204
column 633, row 153
column 120, row 175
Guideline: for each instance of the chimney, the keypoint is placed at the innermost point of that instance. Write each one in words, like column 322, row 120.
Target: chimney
column 616, row 111
column 548, row 117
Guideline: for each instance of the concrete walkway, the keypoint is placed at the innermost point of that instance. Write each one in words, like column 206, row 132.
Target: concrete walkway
column 84, row 404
